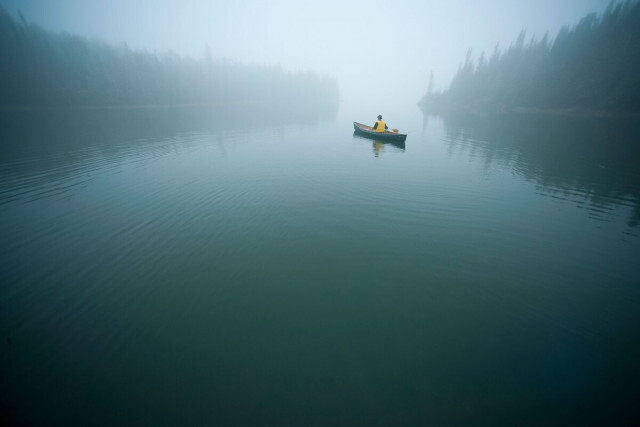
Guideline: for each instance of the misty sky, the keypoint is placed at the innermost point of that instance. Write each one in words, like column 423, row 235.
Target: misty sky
column 382, row 51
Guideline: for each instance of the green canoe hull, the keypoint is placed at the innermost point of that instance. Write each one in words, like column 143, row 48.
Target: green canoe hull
column 368, row 131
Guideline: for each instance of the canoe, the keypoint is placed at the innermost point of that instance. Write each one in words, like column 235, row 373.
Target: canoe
column 371, row 132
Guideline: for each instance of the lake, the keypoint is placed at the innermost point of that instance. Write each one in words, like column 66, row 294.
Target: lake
column 177, row 266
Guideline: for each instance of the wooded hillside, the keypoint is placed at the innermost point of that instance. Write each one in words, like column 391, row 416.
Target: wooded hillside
column 594, row 65
column 39, row 68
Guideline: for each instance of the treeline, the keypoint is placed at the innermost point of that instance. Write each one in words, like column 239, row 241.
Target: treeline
column 591, row 66
column 43, row 69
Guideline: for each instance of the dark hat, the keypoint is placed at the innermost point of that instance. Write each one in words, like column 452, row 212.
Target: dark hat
column 379, row 117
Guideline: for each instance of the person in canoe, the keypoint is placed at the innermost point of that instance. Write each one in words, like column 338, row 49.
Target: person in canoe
column 380, row 126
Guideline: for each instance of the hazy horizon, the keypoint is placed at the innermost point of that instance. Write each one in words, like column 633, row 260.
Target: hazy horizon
column 379, row 52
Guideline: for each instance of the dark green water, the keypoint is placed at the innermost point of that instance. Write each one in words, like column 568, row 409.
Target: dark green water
column 181, row 267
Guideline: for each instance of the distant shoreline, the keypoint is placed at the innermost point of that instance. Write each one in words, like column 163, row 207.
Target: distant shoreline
column 481, row 110
column 127, row 107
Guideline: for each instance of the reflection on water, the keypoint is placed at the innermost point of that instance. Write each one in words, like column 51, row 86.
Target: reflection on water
column 380, row 145
column 590, row 162
column 24, row 131
column 41, row 149
column 194, row 266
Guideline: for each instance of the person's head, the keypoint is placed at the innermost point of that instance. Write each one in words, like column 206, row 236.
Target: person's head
column 379, row 117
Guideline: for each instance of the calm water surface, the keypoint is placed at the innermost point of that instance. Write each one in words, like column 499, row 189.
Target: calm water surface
column 188, row 266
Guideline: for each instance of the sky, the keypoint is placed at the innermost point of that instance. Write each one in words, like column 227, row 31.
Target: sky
column 382, row 51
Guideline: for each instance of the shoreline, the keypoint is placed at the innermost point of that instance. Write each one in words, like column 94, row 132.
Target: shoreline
column 501, row 109
column 126, row 106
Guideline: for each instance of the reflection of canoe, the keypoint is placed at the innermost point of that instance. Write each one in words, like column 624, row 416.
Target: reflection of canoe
column 378, row 143
column 369, row 131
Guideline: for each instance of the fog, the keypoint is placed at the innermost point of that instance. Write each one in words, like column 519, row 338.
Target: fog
column 382, row 53
column 193, row 232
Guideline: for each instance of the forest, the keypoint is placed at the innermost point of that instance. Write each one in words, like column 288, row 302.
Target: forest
column 43, row 69
column 589, row 67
